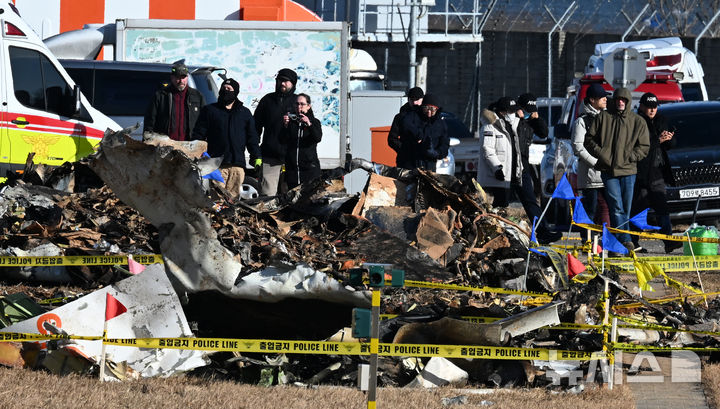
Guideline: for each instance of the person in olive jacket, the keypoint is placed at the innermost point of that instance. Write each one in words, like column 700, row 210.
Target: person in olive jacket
column 619, row 140
column 424, row 136
column 229, row 128
column 301, row 133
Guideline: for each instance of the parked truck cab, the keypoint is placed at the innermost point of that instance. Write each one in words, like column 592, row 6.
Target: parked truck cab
column 43, row 111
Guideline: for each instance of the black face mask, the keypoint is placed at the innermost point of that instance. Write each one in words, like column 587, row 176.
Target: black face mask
column 226, row 97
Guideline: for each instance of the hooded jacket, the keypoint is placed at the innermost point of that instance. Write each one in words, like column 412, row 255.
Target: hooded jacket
column 497, row 150
column 301, row 158
column 424, row 140
column 268, row 121
column 618, row 140
column 228, row 132
column 395, row 131
column 587, row 176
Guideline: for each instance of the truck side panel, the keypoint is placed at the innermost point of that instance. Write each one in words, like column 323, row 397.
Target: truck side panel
column 253, row 52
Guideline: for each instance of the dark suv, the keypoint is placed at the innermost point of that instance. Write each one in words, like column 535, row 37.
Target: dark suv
column 695, row 159
column 122, row 90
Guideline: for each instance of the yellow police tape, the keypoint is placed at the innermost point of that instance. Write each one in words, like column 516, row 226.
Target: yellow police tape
column 326, row 347
column 425, row 284
column 670, row 264
column 31, row 261
column 652, row 348
column 649, row 235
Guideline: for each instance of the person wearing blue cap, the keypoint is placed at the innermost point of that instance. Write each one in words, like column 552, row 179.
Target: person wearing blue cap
column 589, row 181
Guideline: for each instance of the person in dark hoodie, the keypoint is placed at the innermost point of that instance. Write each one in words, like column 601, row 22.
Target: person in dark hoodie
column 414, row 101
column 301, row 133
column 424, row 136
column 229, row 128
column 269, row 123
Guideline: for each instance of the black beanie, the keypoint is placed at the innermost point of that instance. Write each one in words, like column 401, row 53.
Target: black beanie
column 234, row 84
column 431, row 99
column 415, row 93
column 287, row 74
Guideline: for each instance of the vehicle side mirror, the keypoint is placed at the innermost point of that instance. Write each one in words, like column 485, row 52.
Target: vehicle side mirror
column 562, row 131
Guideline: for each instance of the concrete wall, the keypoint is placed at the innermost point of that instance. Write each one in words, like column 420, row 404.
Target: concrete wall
column 512, row 63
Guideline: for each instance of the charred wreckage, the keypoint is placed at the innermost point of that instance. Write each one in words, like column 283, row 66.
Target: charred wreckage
column 278, row 268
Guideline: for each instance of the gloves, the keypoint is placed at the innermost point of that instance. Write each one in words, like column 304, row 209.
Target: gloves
column 257, row 163
column 499, row 175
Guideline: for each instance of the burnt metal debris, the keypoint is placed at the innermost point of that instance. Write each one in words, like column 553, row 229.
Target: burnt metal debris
column 278, row 267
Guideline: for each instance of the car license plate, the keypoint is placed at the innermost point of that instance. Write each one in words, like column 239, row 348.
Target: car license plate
column 701, row 191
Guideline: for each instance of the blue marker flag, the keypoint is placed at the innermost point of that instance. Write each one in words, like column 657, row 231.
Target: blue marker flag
column 610, row 243
column 580, row 215
column 215, row 174
column 533, row 239
column 640, row 221
column 563, row 189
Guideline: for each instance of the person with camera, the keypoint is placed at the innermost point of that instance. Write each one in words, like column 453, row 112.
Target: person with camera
column 301, row 133
column 424, row 136
column 229, row 128
column 414, row 102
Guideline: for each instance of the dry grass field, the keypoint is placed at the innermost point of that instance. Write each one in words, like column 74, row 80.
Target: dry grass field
column 33, row 389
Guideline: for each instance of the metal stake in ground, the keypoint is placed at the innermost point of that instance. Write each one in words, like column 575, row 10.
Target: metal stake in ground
column 374, row 345
column 692, row 252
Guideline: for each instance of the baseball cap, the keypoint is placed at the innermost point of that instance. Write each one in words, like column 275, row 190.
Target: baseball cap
column 649, row 100
column 506, row 104
column 527, row 102
column 596, row 91
column 179, row 69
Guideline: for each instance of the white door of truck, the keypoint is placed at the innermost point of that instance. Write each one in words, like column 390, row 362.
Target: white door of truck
column 40, row 111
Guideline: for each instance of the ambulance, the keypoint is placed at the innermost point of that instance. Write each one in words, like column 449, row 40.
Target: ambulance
column 43, row 111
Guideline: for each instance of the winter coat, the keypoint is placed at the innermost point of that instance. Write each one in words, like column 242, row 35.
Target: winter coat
column 619, row 140
column 587, row 176
column 228, row 133
column 301, row 159
column 269, row 123
column 497, row 150
column 655, row 167
column 158, row 115
column 424, row 140
column 395, row 131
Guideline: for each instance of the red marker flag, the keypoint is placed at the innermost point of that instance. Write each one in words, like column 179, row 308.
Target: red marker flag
column 575, row 266
column 113, row 307
column 134, row 266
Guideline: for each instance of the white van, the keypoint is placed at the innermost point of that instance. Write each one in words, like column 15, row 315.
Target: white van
column 43, row 111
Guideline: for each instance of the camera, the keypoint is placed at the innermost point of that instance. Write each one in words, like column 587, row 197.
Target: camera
column 294, row 117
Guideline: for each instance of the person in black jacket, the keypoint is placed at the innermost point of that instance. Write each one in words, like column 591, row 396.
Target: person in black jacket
column 424, row 136
column 268, row 123
column 530, row 124
column 229, row 128
column 162, row 115
column 653, row 171
column 301, row 133
column 414, row 101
